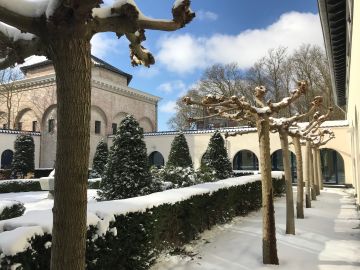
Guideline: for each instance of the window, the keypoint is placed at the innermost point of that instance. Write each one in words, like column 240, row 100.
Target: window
column 19, row 126
column 34, row 126
column 51, row 125
column 97, row 127
column 114, row 128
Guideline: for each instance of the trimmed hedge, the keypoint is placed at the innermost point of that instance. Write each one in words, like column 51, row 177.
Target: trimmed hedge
column 7, row 186
column 15, row 210
column 134, row 240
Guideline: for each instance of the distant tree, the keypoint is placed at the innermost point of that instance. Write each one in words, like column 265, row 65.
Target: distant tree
column 216, row 157
column 100, row 159
column 127, row 173
column 179, row 153
column 23, row 162
column 222, row 80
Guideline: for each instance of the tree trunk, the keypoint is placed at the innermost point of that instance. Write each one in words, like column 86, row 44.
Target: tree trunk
column 307, row 175
column 316, row 175
column 311, row 170
column 300, row 179
column 72, row 62
column 319, row 168
column 269, row 230
column 290, row 220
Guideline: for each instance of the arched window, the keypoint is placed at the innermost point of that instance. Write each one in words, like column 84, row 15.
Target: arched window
column 278, row 165
column 156, row 159
column 6, row 159
column 332, row 166
column 245, row 160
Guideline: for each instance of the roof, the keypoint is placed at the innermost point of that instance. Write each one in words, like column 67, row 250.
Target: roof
column 96, row 61
column 333, row 21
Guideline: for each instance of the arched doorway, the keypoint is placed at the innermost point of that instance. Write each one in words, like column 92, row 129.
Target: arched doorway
column 156, row 159
column 245, row 160
column 332, row 166
column 278, row 165
column 6, row 159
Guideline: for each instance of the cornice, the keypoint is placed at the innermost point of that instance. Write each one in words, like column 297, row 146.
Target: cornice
column 50, row 80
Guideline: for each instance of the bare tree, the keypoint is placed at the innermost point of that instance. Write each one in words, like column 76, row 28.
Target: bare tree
column 282, row 126
column 237, row 108
column 10, row 96
column 222, row 80
column 62, row 30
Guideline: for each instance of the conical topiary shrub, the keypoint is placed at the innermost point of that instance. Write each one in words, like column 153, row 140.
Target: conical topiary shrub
column 127, row 172
column 23, row 161
column 216, row 158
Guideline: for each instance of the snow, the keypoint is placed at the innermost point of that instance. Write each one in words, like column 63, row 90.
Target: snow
column 177, row 3
column 327, row 239
column 39, row 215
column 14, row 34
column 105, row 12
column 12, row 242
column 31, row 8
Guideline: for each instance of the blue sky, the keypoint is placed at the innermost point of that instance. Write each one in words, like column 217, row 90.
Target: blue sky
column 224, row 31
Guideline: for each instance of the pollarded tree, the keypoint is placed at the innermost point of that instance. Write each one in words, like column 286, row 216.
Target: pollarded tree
column 61, row 30
column 238, row 108
column 127, row 173
column 23, row 162
column 179, row 153
column 216, row 157
column 100, row 159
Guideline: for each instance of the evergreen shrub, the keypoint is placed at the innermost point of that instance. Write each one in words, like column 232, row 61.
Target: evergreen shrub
column 134, row 240
column 7, row 186
column 24, row 156
column 15, row 210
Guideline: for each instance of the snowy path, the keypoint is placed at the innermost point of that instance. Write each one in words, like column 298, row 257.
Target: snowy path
column 327, row 239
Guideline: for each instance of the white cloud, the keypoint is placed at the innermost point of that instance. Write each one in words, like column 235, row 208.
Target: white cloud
column 186, row 53
column 102, row 44
column 172, row 86
column 205, row 15
column 168, row 107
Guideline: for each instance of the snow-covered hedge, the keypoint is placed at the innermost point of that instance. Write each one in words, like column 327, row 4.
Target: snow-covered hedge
column 130, row 233
column 11, row 209
column 19, row 185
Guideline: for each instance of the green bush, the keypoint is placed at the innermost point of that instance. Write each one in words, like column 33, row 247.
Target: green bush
column 7, row 186
column 24, row 156
column 134, row 240
column 17, row 209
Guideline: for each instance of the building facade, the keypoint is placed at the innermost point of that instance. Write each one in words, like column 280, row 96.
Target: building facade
column 340, row 21
column 34, row 106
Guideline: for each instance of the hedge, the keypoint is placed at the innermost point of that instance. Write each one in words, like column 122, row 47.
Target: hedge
column 18, row 185
column 12, row 210
column 134, row 240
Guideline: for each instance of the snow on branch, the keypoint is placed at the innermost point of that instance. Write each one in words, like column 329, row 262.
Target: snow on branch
column 15, row 46
column 138, row 54
column 286, row 123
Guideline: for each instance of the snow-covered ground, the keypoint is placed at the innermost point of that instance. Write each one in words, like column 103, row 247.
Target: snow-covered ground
column 327, row 239
column 38, row 200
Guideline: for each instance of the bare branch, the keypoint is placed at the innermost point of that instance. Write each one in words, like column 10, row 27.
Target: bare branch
column 21, row 22
column 285, row 102
column 182, row 15
column 138, row 54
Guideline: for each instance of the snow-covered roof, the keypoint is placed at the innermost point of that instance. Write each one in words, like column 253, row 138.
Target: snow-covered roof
column 203, row 131
column 10, row 131
column 96, row 61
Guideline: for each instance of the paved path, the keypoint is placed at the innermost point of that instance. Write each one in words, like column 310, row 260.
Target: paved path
column 327, row 239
